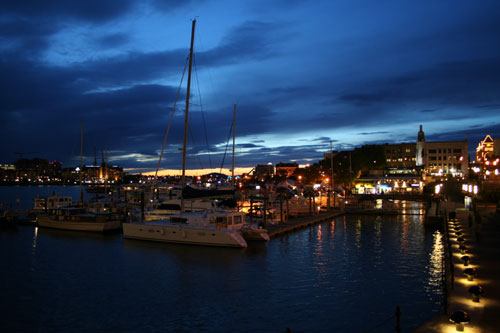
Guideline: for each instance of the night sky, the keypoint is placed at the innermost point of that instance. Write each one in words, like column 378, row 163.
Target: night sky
column 302, row 74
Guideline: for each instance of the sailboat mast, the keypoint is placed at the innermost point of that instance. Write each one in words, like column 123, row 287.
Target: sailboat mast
column 234, row 139
column 183, row 181
column 81, row 161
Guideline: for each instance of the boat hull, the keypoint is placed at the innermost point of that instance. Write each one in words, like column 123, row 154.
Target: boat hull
column 95, row 226
column 251, row 234
column 170, row 233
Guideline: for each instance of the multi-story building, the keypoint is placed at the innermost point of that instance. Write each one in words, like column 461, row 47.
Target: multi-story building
column 488, row 158
column 402, row 155
column 488, row 148
column 447, row 158
column 264, row 170
column 287, row 169
column 443, row 157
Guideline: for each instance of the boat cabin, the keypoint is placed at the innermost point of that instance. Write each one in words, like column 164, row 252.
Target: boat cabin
column 53, row 202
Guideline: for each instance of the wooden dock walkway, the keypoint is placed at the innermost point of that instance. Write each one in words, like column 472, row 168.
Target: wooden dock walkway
column 299, row 223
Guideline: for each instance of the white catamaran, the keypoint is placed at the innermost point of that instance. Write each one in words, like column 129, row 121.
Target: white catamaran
column 215, row 228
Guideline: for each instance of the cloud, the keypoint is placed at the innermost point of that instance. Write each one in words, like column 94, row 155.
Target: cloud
column 95, row 11
column 372, row 133
column 252, row 40
column 113, row 40
column 489, row 106
column 366, row 99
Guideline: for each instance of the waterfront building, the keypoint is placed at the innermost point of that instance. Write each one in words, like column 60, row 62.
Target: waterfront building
column 487, row 158
column 394, row 180
column 102, row 173
column 264, row 170
column 286, row 169
column 487, row 149
column 447, row 158
column 443, row 157
column 7, row 167
column 402, row 155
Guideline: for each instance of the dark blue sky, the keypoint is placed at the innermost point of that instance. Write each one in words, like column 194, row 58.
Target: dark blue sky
column 302, row 74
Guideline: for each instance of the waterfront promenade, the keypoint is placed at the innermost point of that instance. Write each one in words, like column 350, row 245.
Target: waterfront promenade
column 482, row 241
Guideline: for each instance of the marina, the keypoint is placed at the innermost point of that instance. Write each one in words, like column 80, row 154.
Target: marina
column 321, row 274
column 241, row 166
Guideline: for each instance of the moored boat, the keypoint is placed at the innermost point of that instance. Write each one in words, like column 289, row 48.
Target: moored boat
column 79, row 219
column 252, row 232
column 41, row 204
column 216, row 228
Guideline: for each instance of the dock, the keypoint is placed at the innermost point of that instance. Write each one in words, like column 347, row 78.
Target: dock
column 301, row 222
column 481, row 239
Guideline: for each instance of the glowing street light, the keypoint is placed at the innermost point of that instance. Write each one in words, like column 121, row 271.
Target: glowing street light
column 459, row 318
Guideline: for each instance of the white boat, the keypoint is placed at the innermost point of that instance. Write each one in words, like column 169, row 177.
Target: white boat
column 252, row 232
column 215, row 228
column 79, row 219
column 171, row 207
column 41, row 204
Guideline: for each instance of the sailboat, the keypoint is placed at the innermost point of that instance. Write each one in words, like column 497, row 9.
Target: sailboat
column 80, row 218
column 214, row 228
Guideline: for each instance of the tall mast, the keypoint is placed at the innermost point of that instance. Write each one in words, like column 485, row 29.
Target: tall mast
column 183, row 182
column 234, row 140
column 331, row 178
column 81, row 161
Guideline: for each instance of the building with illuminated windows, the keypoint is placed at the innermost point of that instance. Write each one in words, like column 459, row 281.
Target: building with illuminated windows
column 263, row 171
column 402, row 155
column 487, row 149
column 488, row 158
column 446, row 158
column 442, row 158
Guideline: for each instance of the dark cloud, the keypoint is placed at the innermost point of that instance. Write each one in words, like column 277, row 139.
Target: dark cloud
column 448, row 84
column 247, row 145
column 86, row 10
column 126, row 109
column 372, row 133
column 25, row 38
column 113, row 40
column 489, row 106
column 250, row 40
column 120, row 111
column 323, row 139
column 367, row 99
column 170, row 5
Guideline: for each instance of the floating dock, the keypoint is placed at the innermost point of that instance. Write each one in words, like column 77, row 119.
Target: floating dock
column 299, row 223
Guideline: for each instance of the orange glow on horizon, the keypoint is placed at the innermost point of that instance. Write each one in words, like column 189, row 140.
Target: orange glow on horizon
column 192, row 172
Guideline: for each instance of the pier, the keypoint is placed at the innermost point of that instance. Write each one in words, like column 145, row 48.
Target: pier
column 301, row 222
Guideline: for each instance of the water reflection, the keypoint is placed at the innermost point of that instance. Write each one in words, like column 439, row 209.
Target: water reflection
column 358, row 234
column 315, row 279
column 35, row 236
column 332, row 231
column 436, row 261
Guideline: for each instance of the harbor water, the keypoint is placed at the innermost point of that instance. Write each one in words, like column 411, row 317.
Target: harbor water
column 343, row 275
